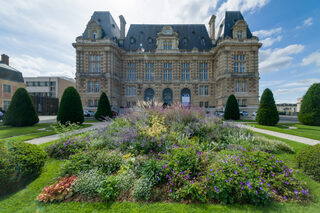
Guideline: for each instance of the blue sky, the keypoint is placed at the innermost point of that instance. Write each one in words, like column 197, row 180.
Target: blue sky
column 37, row 34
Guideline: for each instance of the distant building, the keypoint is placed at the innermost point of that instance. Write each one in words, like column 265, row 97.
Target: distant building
column 10, row 80
column 299, row 104
column 287, row 109
column 48, row 86
column 168, row 63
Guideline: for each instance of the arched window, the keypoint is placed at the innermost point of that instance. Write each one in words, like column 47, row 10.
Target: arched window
column 186, row 97
column 167, row 96
column 149, row 95
column 94, row 35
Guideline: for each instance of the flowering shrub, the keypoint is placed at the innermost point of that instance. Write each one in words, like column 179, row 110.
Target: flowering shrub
column 108, row 162
column 309, row 161
column 142, row 189
column 64, row 148
column 58, row 191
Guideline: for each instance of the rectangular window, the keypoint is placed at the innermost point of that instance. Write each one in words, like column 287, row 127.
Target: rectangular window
column 244, row 86
column 203, row 71
column 95, row 63
column 90, row 103
column 237, row 86
column 90, row 86
column 128, row 104
column 206, row 104
column 97, row 86
column 239, row 60
column 149, row 75
column 167, row 71
column 131, row 72
column 206, row 90
column 201, row 90
column 235, row 67
column 6, row 88
column 244, row 102
column 6, row 105
column 167, row 45
column 185, row 72
column 95, row 103
column 201, row 104
column 240, row 35
column 131, row 91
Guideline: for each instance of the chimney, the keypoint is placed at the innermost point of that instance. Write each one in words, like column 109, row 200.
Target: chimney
column 212, row 27
column 5, row 59
column 122, row 27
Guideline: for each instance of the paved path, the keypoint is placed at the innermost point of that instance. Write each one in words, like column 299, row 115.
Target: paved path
column 280, row 135
column 49, row 138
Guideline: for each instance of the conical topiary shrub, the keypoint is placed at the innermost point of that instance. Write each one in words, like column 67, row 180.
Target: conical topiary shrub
column 104, row 108
column 70, row 108
column 267, row 113
column 232, row 109
column 310, row 107
column 21, row 111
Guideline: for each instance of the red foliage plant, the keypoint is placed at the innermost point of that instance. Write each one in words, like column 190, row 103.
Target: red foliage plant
column 58, row 191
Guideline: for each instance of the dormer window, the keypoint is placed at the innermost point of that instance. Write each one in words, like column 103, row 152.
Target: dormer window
column 94, row 35
column 240, row 35
column 132, row 40
column 203, row 42
column 167, row 45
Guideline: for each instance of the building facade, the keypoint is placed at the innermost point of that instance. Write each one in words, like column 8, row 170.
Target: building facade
column 48, row 86
column 287, row 109
column 10, row 80
column 168, row 63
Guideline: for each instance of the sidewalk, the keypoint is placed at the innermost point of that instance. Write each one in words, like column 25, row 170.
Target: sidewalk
column 279, row 135
column 97, row 125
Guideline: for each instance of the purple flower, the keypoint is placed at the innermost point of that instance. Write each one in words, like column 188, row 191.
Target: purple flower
column 268, row 184
column 226, row 180
column 284, row 198
column 235, row 172
column 261, row 188
column 242, row 187
column 296, row 192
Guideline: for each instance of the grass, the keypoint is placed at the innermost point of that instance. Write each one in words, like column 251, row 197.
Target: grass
column 312, row 132
column 24, row 200
column 30, row 132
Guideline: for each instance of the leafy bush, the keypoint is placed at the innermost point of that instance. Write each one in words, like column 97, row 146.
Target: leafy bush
column 150, row 169
column 126, row 180
column 81, row 161
column 104, row 108
column 21, row 111
column 267, row 113
column 62, row 149
column 310, row 107
column 70, row 108
column 232, row 109
column 142, row 189
column 19, row 164
column 88, row 182
column 58, row 191
column 108, row 162
column 110, row 188
column 309, row 161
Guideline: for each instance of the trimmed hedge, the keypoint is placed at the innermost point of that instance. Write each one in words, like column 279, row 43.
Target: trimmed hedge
column 309, row 161
column 19, row 164
column 104, row 108
column 21, row 111
column 70, row 108
column 310, row 107
column 267, row 113
column 232, row 109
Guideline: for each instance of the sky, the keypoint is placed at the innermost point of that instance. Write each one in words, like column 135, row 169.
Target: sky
column 38, row 34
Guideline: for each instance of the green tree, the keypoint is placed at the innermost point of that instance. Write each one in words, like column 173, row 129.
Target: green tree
column 104, row 108
column 70, row 108
column 232, row 109
column 267, row 113
column 21, row 111
column 310, row 107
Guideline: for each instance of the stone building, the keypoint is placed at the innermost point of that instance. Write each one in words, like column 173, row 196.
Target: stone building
column 10, row 80
column 168, row 63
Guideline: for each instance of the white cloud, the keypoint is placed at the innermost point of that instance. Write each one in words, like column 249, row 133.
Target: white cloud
column 312, row 58
column 269, row 41
column 276, row 59
column 38, row 66
column 291, row 90
column 267, row 33
column 306, row 23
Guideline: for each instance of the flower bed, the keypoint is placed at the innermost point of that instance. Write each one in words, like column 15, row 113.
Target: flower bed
column 177, row 154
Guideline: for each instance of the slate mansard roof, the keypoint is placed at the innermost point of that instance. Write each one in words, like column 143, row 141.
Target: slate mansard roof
column 109, row 27
column 9, row 73
column 190, row 35
column 224, row 28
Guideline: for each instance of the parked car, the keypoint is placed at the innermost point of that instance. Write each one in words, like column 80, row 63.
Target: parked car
column 219, row 113
column 244, row 113
column 88, row 113
column 254, row 114
column 114, row 114
column 1, row 115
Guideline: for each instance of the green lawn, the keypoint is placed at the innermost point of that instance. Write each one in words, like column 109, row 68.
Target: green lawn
column 312, row 132
column 28, row 133
column 24, row 200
